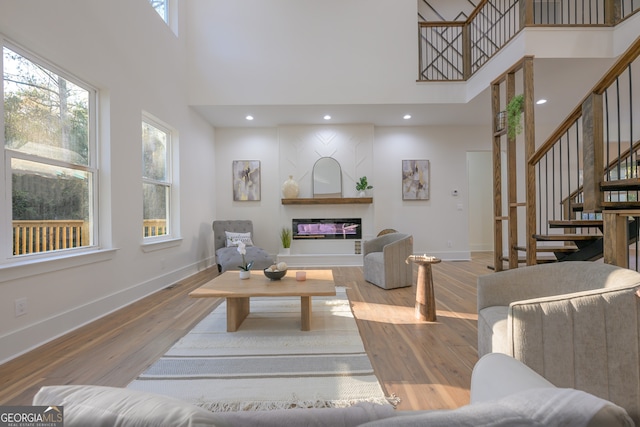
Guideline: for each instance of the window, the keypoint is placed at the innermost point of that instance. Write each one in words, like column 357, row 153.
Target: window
column 156, row 178
column 168, row 11
column 161, row 6
column 49, row 147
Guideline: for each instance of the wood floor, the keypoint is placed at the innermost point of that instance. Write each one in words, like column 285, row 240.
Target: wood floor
column 427, row 365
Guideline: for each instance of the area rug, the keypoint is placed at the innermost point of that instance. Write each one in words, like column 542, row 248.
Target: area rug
column 269, row 363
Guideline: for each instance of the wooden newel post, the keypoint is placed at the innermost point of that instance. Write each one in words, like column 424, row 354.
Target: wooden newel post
column 425, row 298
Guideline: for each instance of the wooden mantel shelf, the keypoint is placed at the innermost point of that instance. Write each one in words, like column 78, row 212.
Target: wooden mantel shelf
column 328, row 201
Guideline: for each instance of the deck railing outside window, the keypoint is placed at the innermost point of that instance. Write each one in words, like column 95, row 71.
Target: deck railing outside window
column 42, row 236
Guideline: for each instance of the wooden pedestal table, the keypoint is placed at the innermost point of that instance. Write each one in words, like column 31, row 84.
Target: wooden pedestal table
column 425, row 298
column 237, row 292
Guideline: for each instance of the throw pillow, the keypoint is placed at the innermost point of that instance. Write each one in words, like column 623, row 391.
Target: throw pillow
column 234, row 238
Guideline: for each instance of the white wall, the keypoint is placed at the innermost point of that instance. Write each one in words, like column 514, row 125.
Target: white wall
column 292, row 52
column 439, row 225
column 480, row 190
column 124, row 49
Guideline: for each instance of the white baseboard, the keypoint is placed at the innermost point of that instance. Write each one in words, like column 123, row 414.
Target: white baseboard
column 32, row 336
column 321, row 260
column 353, row 260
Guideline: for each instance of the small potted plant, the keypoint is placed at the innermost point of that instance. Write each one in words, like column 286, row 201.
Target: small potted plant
column 245, row 268
column 514, row 114
column 285, row 239
column 362, row 186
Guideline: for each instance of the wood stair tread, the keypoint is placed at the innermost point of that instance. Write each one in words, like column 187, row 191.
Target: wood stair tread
column 563, row 249
column 621, row 185
column 575, row 223
column 566, row 237
column 579, row 207
column 621, row 205
column 539, row 260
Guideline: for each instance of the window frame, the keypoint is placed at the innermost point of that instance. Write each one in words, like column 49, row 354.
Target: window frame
column 150, row 243
column 7, row 257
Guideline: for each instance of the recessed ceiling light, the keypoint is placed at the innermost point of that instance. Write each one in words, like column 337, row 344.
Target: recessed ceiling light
column 541, row 101
column 327, row 117
column 406, row 116
column 249, row 117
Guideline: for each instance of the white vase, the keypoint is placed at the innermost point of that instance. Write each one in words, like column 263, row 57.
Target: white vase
column 290, row 188
column 244, row 274
column 285, row 251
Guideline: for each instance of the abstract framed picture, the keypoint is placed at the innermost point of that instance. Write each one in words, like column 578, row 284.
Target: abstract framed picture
column 415, row 180
column 246, row 180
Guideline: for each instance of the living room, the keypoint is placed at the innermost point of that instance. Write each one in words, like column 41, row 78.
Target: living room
column 124, row 57
column 121, row 48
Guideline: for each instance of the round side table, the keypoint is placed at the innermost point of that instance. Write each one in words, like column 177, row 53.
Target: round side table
column 425, row 298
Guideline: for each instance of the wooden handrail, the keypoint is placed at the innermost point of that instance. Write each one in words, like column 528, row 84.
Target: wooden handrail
column 599, row 88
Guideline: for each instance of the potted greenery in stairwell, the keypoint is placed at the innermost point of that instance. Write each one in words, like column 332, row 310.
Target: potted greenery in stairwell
column 285, row 239
column 514, row 116
column 362, row 186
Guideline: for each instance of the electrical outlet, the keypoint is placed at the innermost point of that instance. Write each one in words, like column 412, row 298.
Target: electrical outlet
column 449, row 244
column 21, row 306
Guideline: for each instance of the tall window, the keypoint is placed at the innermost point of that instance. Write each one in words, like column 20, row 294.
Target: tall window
column 49, row 145
column 156, row 178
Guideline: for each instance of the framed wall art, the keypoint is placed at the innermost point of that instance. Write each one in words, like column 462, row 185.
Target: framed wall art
column 246, row 180
column 415, row 180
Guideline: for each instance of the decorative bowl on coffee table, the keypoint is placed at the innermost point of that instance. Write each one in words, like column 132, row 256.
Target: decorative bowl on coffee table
column 275, row 275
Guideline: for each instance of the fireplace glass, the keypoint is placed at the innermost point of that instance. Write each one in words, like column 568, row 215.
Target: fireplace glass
column 327, row 228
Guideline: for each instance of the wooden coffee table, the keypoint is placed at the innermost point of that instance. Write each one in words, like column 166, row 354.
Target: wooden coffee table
column 237, row 292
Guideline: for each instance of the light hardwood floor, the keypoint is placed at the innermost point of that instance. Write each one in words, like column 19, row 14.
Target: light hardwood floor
column 427, row 365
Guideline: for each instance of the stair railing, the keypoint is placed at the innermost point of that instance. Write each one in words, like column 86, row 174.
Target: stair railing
column 600, row 131
column 455, row 50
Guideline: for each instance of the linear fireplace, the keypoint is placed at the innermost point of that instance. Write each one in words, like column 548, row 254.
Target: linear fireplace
column 327, row 228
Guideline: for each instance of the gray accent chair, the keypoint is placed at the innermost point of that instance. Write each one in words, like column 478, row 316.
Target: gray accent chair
column 230, row 258
column 576, row 323
column 384, row 260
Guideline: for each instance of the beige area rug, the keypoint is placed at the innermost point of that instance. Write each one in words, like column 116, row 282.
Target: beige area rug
column 269, row 363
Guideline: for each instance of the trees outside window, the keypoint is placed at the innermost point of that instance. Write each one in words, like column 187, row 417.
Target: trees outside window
column 49, row 144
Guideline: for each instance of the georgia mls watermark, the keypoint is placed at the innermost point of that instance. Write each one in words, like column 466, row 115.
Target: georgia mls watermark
column 31, row 416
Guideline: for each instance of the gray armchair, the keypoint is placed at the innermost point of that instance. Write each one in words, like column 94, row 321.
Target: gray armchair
column 576, row 323
column 229, row 258
column 384, row 260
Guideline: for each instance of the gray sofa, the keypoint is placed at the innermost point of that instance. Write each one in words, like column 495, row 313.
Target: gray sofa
column 228, row 258
column 504, row 392
column 575, row 323
column 383, row 261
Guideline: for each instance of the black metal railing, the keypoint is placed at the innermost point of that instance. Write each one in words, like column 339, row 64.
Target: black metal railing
column 608, row 118
column 455, row 50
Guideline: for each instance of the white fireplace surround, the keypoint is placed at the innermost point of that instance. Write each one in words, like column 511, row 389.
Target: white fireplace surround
column 322, row 253
column 299, row 148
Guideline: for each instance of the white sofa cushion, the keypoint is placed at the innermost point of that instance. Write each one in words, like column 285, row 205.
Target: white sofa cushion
column 549, row 407
column 98, row 406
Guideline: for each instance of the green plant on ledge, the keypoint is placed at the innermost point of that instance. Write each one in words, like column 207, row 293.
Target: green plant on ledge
column 363, row 184
column 285, row 237
column 514, row 115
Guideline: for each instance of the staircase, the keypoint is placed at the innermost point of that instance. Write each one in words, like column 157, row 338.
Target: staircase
column 588, row 170
column 571, row 209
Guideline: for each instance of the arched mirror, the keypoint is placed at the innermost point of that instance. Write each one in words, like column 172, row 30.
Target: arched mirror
column 327, row 178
